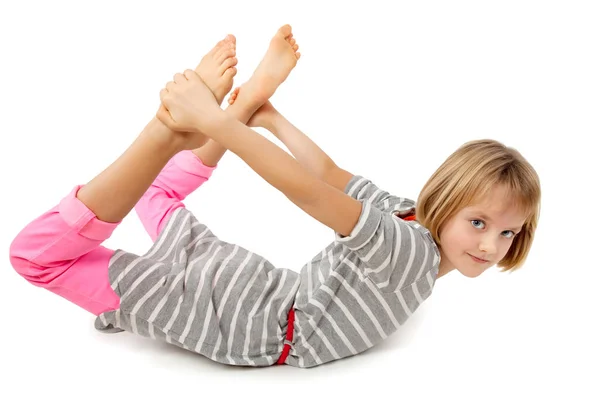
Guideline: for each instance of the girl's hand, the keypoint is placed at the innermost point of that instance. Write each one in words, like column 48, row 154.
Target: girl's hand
column 263, row 117
column 188, row 104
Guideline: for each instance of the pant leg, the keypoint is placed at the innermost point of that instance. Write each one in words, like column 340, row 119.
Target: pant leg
column 182, row 175
column 61, row 251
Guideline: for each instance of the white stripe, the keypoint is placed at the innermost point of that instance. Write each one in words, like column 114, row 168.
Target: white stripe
column 250, row 284
column 165, row 234
column 310, row 350
column 413, row 251
column 116, row 255
column 353, row 321
column 376, row 196
column 323, row 338
column 165, row 297
column 375, row 247
column 300, row 361
column 172, row 321
column 417, row 294
column 163, row 301
column 232, row 282
column 362, row 304
column 398, row 243
column 141, row 278
column 263, row 344
column 309, row 277
column 396, row 252
column 423, row 264
column 285, row 303
column 197, row 293
column 133, row 287
column 403, row 303
column 182, row 228
column 334, row 324
column 251, row 316
column 148, row 294
column 323, row 256
column 361, row 224
column 157, row 246
column 354, row 187
column 210, row 307
column 430, row 280
column 375, row 292
column 127, row 269
column 384, row 264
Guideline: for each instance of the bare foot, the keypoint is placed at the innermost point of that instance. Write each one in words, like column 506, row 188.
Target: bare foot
column 217, row 68
column 262, row 117
column 276, row 65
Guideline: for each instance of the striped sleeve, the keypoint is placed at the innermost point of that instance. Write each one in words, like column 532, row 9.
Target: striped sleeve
column 362, row 189
column 393, row 253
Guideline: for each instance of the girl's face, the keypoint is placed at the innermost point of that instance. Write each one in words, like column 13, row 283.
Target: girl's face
column 479, row 236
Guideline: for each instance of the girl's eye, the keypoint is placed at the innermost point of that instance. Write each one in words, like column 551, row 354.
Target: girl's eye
column 478, row 221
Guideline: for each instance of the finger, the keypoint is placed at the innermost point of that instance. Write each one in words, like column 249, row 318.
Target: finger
column 179, row 78
column 164, row 94
column 191, row 75
column 164, row 116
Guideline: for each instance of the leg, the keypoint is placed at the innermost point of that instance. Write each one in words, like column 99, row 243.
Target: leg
column 276, row 65
column 61, row 251
column 186, row 172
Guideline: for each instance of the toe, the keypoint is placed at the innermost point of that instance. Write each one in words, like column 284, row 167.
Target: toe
column 233, row 95
column 230, row 38
column 292, row 41
column 297, row 55
column 295, row 47
column 230, row 72
column 285, row 30
column 224, row 54
column 228, row 63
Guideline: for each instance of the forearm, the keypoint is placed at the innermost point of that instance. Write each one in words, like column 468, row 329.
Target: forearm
column 114, row 192
column 306, row 151
column 280, row 170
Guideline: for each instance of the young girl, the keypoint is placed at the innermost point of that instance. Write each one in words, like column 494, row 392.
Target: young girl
column 215, row 298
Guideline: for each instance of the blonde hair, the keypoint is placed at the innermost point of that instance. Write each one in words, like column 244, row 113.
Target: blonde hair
column 470, row 173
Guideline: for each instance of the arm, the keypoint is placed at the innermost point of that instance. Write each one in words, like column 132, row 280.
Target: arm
column 320, row 200
column 190, row 106
column 302, row 147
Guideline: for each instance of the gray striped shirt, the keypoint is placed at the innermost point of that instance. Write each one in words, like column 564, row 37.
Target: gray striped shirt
column 362, row 287
column 216, row 298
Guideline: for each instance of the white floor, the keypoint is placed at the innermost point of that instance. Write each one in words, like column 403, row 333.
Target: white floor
column 388, row 95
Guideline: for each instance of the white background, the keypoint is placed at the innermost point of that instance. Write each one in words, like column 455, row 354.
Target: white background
column 388, row 92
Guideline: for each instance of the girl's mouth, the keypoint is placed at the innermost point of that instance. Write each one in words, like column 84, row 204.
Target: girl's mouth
column 477, row 259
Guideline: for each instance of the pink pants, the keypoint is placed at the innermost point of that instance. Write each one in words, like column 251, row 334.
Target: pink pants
column 61, row 249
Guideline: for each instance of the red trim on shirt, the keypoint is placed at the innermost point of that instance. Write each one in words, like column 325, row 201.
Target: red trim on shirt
column 288, row 337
